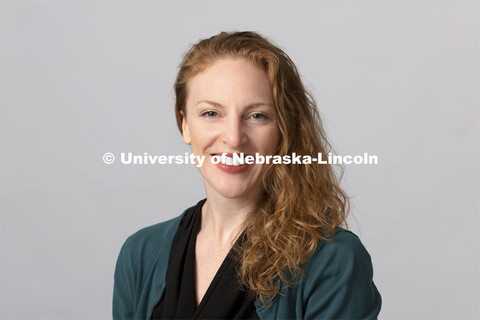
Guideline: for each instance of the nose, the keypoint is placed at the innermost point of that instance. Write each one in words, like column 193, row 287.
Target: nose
column 234, row 135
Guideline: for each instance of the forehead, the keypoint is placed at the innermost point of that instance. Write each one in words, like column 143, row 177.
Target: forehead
column 231, row 80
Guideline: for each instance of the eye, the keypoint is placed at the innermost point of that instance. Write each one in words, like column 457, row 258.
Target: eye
column 209, row 114
column 260, row 116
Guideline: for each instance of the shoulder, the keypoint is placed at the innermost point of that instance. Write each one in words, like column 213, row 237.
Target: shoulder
column 148, row 240
column 339, row 280
column 343, row 260
column 136, row 263
column 344, row 247
column 155, row 232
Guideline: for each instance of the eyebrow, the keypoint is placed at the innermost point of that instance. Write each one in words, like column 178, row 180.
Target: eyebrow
column 218, row 105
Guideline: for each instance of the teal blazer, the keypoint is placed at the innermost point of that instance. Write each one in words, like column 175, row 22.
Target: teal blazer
column 336, row 283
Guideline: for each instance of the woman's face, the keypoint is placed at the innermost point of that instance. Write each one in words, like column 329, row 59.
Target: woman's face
column 230, row 109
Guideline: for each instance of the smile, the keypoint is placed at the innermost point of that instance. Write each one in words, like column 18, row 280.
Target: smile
column 231, row 163
column 231, row 159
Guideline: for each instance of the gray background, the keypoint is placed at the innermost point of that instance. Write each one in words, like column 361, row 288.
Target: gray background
column 398, row 79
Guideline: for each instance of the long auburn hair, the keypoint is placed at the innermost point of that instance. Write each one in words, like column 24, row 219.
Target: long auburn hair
column 301, row 204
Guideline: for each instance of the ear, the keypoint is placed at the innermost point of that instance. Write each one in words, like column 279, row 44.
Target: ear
column 185, row 131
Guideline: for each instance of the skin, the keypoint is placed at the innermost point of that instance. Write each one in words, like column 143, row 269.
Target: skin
column 229, row 109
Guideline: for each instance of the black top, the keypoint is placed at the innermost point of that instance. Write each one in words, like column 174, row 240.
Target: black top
column 224, row 298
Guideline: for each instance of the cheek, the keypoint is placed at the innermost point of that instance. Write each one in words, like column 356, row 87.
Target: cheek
column 271, row 139
column 201, row 136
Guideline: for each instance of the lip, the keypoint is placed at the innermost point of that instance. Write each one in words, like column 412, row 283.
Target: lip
column 231, row 169
column 230, row 154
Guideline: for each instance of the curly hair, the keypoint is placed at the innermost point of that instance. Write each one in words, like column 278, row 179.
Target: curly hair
column 301, row 204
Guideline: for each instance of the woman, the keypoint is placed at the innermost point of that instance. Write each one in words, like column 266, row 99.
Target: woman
column 268, row 241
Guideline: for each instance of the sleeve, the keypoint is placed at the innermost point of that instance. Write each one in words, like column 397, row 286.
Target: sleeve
column 339, row 281
column 124, row 284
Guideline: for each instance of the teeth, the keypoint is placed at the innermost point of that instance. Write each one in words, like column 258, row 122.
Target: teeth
column 229, row 161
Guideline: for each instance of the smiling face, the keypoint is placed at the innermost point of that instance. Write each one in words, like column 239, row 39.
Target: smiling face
column 229, row 109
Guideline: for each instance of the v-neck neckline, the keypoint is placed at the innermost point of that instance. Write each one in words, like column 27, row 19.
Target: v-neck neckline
column 221, row 269
column 225, row 298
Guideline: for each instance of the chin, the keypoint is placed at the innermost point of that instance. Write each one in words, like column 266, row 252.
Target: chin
column 231, row 190
column 232, row 194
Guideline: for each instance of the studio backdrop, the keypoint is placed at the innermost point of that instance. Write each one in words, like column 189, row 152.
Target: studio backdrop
column 80, row 79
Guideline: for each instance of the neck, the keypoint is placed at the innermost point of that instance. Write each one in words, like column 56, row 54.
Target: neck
column 223, row 218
